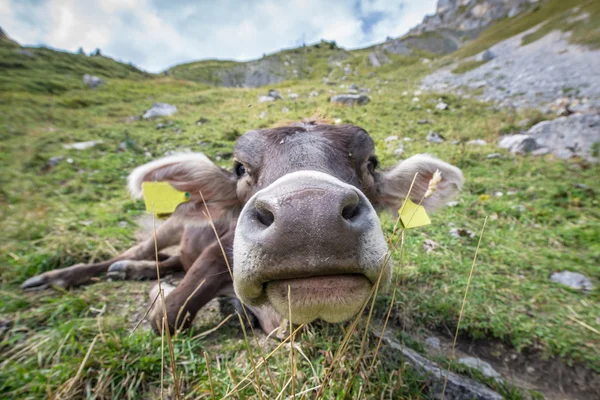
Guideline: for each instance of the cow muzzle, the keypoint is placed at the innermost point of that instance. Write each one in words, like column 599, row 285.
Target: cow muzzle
column 311, row 245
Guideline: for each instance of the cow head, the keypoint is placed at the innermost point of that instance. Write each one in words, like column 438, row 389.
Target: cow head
column 305, row 196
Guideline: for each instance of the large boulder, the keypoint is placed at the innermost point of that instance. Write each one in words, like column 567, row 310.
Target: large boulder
column 160, row 110
column 350, row 99
column 571, row 136
column 518, row 144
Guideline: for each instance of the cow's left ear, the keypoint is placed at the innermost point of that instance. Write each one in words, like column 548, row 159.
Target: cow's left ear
column 394, row 184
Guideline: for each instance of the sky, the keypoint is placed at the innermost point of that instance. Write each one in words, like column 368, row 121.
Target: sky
column 157, row 34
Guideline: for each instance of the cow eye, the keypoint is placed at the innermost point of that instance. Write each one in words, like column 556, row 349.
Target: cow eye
column 240, row 170
column 373, row 162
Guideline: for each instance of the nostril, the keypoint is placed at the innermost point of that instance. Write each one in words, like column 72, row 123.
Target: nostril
column 350, row 211
column 265, row 216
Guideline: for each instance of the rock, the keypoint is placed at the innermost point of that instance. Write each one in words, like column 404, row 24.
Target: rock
column 92, row 81
column 433, row 343
column 265, row 99
column 493, row 155
column 25, row 52
column 160, row 110
column 477, row 84
column 82, row 145
column 293, row 96
column 263, row 114
column 350, row 99
column 434, row 137
column 570, row 136
column 574, row 280
column 313, row 94
column 452, row 204
column 275, row 94
column 429, row 246
column 518, row 143
column 390, row 139
column 378, row 58
column 485, row 55
column 542, row 151
column 423, row 121
column 52, row 162
column 161, row 126
column 457, row 388
column 418, row 92
column 415, row 99
column 485, row 368
column 337, row 121
column 477, row 142
column 460, row 232
column 441, row 106
column 285, row 110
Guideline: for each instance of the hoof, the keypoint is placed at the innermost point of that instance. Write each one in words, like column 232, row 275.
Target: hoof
column 118, row 270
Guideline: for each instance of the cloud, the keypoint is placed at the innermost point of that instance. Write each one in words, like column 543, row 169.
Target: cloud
column 156, row 34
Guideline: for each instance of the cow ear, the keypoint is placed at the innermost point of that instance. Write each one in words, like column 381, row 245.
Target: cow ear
column 395, row 184
column 195, row 174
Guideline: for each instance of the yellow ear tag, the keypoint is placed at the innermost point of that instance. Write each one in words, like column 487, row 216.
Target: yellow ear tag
column 412, row 215
column 162, row 198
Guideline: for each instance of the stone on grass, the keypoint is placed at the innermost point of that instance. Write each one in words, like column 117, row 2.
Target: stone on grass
column 313, row 94
column 461, row 232
column 434, row 137
column 265, row 99
column 518, row 143
column 390, row 139
column 293, row 96
column 92, row 81
column 477, row 142
column 82, row 145
column 160, row 110
column 285, row 110
column 493, row 155
column 430, row 245
column 441, row 106
column 423, row 121
column 485, row 55
column 485, row 368
column 574, row 280
column 161, row 126
column 452, row 204
column 275, row 94
column 433, row 343
column 350, row 99
column 263, row 114
column 399, row 151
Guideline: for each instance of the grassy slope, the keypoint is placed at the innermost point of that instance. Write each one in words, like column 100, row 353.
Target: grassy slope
column 550, row 15
column 74, row 213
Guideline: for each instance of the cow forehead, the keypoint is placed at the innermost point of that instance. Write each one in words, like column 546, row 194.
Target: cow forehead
column 302, row 142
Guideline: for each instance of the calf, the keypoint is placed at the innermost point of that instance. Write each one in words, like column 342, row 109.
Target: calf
column 297, row 214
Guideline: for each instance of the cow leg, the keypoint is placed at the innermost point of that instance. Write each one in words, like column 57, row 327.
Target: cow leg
column 168, row 234
column 143, row 269
column 206, row 278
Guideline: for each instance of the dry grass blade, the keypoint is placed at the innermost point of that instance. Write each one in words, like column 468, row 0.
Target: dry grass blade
column 71, row 383
column 279, row 346
column 251, row 356
column 462, row 307
column 211, row 330
column 137, row 325
column 292, row 360
column 591, row 328
column 364, row 338
column 162, row 358
column 165, row 325
column 212, row 391
column 185, row 303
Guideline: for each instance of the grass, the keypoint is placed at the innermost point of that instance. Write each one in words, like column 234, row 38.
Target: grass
column 546, row 220
column 467, row 66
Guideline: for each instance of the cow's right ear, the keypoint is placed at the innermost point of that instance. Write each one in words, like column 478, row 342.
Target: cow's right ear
column 195, row 174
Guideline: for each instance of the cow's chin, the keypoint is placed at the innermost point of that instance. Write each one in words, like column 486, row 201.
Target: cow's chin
column 333, row 298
